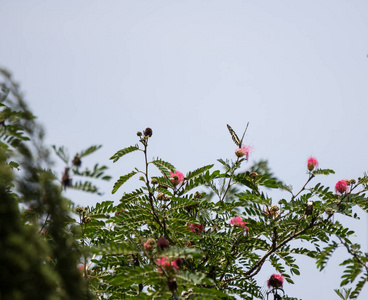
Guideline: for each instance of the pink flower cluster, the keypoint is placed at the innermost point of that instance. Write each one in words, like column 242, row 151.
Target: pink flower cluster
column 196, row 228
column 176, row 178
column 243, row 151
column 275, row 281
column 341, row 186
column 312, row 163
column 238, row 221
column 147, row 246
column 165, row 264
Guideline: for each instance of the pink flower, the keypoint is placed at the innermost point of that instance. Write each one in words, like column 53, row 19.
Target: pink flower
column 163, row 262
column 167, row 265
column 238, row 221
column 81, row 267
column 174, row 264
column 312, row 163
column 176, row 177
column 341, row 186
column 275, row 281
column 188, row 244
column 195, row 228
column 244, row 151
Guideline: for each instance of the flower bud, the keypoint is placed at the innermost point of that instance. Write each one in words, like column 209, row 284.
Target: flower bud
column 86, row 220
column 77, row 161
column 244, row 151
column 79, row 210
column 274, row 208
column 275, row 281
column 162, row 244
column 160, row 196
column 197, row 195
column 154, row 181
column 149, row 244
column 148, row 132
column 253, row 175
column 139, row 133
column 329, row 211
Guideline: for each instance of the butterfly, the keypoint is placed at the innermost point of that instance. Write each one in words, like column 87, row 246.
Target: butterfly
column 234, row 136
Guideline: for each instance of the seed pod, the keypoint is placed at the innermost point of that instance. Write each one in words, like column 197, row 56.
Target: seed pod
column 65, row 179
column 309, row 209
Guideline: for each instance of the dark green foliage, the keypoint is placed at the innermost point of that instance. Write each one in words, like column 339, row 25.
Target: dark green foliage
column 38, row 253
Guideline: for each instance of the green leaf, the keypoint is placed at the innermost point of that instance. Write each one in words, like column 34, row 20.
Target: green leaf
column 62, row 153
column 116, row 249
column 325, row 172
column 197, row 278
column 123, row 152
column 90, row 150
column 164, row 167
column 133, row 196
column 187, row 253
column 122, row 180
column 14, row 164
column 135, row 275
column 198, row 172
column 85, row 186
column 102, row 208
column 324, row 256
column 97, row 172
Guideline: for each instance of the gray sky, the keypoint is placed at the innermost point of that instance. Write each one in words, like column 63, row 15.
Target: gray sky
column 96, row 72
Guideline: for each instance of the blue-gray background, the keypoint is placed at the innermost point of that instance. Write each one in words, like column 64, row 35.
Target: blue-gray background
column 96, row 72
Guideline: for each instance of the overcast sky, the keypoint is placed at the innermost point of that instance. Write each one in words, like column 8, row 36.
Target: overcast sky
column 96, row 72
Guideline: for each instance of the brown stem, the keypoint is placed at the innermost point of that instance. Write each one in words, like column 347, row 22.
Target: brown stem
column 150, row 195
column 44, row 224
column 303, row 188
column 233, row 253
column 257, row 267
column 354, row 254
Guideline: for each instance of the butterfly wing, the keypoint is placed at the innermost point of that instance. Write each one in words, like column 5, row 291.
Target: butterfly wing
column 241, row 141
column 234, row 136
